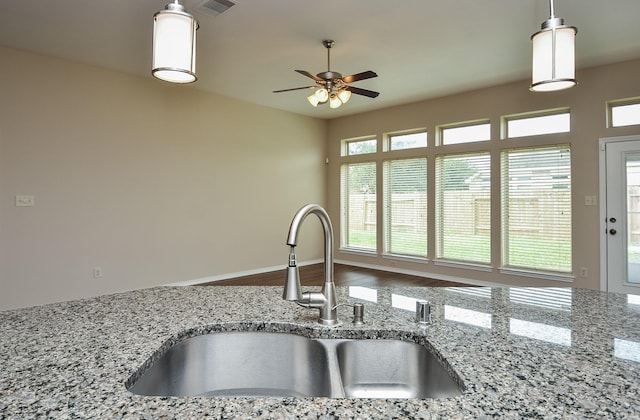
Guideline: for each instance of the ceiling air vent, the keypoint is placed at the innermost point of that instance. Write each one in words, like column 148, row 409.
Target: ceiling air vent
column 215, row 7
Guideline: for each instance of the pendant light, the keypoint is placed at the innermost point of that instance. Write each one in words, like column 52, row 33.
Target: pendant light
column 174, row 44
column 553, row 65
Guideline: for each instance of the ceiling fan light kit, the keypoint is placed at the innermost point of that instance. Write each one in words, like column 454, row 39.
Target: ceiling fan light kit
column 553, row 66
column 174, row 44
column 331, row 86
column 344, row 95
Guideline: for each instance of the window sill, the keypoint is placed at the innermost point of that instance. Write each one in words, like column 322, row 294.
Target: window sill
column 464, row 265
column 407, row 258
column 358, row 251
column 537, row 274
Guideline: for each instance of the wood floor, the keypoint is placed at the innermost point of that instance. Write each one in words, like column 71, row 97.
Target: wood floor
column 344, row 275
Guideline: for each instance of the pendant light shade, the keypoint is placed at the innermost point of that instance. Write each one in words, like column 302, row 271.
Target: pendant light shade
column 553, row 66
column 174, row 44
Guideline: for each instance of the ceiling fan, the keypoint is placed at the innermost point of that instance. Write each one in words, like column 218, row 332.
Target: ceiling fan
column 331, row 86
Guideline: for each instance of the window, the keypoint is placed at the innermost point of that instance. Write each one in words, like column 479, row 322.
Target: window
column 519, row 126
column 405, row 204
column 536, row 209
column 463, row 203
column 359, row 146
column 624, row 113
column 465, row 133
column 407, row 141
column 358, row 204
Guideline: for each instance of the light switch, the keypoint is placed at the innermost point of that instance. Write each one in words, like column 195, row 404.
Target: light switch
column 25, row 201
column 590, row 200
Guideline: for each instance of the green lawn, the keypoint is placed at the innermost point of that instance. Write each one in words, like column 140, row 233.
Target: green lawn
column 525, row 251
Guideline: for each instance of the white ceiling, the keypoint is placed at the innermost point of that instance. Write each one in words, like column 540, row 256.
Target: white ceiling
column 419, row 48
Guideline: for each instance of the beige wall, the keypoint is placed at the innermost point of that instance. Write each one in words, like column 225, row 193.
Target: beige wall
column 157, row 184
column 588, row 104
column 151, row 182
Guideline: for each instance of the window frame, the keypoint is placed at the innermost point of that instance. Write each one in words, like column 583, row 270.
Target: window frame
column 440, row 129
column 505, row 197
column 345, row 208
column 620, row 103
column 344, row 146
column 506, row 119
column 387, row 224
column 386, row 147
column 439, row 203
column 495, row 147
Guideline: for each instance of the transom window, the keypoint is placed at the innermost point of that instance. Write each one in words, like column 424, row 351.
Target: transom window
column 624, row 113
column 534, row 125
column 407, row 140
column 359, row 146
column 465, row 133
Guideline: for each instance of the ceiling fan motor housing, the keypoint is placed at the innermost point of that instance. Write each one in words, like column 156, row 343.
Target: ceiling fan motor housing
column 328, row 75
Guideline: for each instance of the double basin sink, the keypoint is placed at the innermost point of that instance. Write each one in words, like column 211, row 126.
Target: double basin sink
column 268, row 364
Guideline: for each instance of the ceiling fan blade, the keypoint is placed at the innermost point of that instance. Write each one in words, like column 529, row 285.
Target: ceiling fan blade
column 359, row 76
column 363, row 92
column 298, row 88
column 313, row 76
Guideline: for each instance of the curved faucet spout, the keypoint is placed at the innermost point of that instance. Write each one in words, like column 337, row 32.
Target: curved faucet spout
column 325, row 301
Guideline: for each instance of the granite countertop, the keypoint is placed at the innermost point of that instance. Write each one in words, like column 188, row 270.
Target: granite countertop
column 546, row 353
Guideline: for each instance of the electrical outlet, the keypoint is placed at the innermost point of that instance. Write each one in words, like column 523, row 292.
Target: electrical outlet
column 584, row 272
column 25, row 201
column 97, row 273
column 590, row 200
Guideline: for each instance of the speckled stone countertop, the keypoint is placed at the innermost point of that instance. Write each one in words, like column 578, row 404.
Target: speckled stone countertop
column 545, row 353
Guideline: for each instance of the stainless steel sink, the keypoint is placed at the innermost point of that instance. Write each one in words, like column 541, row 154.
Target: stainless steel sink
column 262, row 364
column 392, row 369
column 239, row 364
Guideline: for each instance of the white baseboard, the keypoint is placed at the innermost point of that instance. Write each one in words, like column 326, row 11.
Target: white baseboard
column 239, row 274
column 471, row 282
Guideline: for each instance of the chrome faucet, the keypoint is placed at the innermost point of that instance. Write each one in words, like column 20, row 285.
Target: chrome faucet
column 325, row 300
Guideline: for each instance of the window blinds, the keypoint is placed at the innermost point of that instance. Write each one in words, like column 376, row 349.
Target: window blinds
column 536, row 208
column 463, row 205
column 358, row 203
column 405, row 206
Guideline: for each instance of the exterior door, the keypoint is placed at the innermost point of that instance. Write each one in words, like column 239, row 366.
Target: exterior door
column 622, row 206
